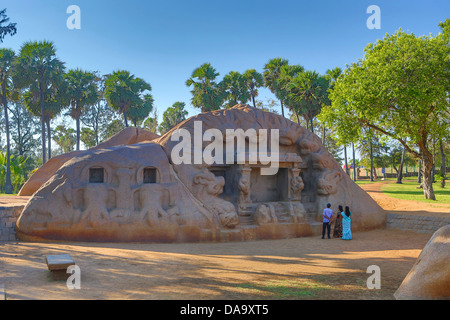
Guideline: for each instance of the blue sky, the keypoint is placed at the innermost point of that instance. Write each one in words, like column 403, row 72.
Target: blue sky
column 164, row 41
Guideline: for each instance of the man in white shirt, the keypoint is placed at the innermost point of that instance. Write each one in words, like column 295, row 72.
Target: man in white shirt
column 327, row 215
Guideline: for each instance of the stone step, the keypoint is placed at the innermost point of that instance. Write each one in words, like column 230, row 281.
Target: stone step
column 246, row 220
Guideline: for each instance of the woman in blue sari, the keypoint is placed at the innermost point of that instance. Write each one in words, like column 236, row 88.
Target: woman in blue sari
column 346, row 224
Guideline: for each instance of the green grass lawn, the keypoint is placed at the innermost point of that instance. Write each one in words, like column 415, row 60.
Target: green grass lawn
column 366, row 181
column 408, row 191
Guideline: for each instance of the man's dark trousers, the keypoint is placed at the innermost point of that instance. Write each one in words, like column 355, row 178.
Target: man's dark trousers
column 326, row 225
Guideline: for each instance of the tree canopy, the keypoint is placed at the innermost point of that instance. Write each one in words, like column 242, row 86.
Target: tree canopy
column 400, row 89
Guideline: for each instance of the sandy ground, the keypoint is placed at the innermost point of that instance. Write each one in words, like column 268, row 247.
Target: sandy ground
column 301, row 268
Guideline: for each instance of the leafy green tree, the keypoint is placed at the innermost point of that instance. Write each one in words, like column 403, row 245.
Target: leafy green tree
column 253, row 81
column 400, row 89
column 7, row 57
column 235, row 87
column 151, row 123
column 97, row 116
column 65, row 138
column 88, row 137
column 37, row 66
column 115, row 126
column 18, row 171
column 24, row 127
column 207, row 94
column 10, row 28
column 173, row 116
column 124, row 91
column 81, row 92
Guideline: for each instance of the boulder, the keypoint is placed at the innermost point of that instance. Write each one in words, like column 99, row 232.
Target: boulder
column 429, row 278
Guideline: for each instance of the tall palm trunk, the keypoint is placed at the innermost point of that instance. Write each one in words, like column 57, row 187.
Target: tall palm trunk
column 49, row 138
column 8, row 183
column 78, row 133
column 282, row 109
column 44, row 150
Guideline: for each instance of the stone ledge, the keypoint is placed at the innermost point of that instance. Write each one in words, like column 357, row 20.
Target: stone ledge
column 8, row 218
column 422, row 224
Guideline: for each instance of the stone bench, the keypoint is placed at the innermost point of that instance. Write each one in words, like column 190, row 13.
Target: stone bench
column 58, row 264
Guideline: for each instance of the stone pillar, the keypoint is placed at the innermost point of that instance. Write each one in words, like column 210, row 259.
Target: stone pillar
column 244, row 200
column 296, row 184
column 124, row 199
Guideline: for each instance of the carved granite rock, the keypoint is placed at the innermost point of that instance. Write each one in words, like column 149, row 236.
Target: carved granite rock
column 139, row 192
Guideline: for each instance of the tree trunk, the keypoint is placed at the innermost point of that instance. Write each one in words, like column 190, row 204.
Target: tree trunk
column 400, row 170
column 298, row 118
column 371, row 160
column 323, row 135
column 125, row 118
column 354, row 162
column 49, row 133
column 427, row 167
column 8, row 183
column 44, row 150
column 345, row 161
column 443, row 169
column 312, row 126
column 253, row 99
column 419, row 175
column 78, row 133
column 282, row 109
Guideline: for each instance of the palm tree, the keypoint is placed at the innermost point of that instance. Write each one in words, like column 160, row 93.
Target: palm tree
column 272, row 71
column 235, row 87
column 138, row 113
column 253, row 81
column 38, row 66
column 287, row 73
column 306, row 93
column 81, row 92
column 55, row 101
column 124, row 91
column 7, row 57
column 206, row 93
